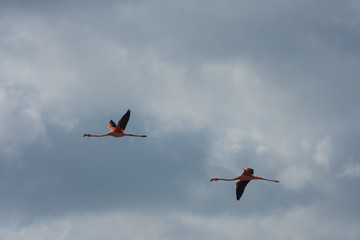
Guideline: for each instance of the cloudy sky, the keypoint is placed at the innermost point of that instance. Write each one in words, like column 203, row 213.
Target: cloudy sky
column 216, row 85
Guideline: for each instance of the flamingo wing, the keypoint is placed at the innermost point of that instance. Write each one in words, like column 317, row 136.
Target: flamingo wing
column 123, row 121
column 240, row 187
column 112, row 125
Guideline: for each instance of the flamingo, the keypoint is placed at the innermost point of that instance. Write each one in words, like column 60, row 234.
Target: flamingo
column 244, row 178
column 117, row 130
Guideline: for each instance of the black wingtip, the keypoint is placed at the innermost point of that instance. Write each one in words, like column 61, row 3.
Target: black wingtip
column 112, row 123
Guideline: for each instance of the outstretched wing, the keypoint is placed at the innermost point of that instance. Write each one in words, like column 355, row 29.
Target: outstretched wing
column 123, row 121
column 111, row 125
column 240, row 187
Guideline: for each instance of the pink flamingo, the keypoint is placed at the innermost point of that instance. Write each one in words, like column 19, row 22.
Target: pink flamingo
column 244, row 178
column 117, row 130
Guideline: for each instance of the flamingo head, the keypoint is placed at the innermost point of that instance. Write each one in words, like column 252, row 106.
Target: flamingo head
column 249, row 170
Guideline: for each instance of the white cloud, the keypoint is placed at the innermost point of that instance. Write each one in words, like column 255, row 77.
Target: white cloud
column 301, row 222
column 224, row 150
column 35, row 85
column 295, row 178
column 323, row 152
column 351, row 170
column 20, row 123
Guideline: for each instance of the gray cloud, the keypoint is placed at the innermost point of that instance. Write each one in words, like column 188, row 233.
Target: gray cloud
column 216, row 87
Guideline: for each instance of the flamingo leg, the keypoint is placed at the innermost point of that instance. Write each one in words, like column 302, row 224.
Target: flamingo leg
column 134, row 135
column 269, row 180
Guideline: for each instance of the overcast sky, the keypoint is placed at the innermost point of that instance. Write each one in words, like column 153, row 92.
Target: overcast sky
column 216, row 86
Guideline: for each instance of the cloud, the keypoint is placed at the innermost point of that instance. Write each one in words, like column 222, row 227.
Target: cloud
column 322, row 155
column 21, row 123
column 34, row 83
column 295, row 177
column 295, row 223
column 215, row 86
column 351, row 170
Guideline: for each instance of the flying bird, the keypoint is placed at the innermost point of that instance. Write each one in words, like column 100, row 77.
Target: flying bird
column 244, row 179
column 117, row 130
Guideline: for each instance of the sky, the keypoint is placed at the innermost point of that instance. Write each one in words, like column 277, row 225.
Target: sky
column 216, row 86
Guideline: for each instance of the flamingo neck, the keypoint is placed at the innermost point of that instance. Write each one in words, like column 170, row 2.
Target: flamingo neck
column 91, row 135
column 226, row 179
